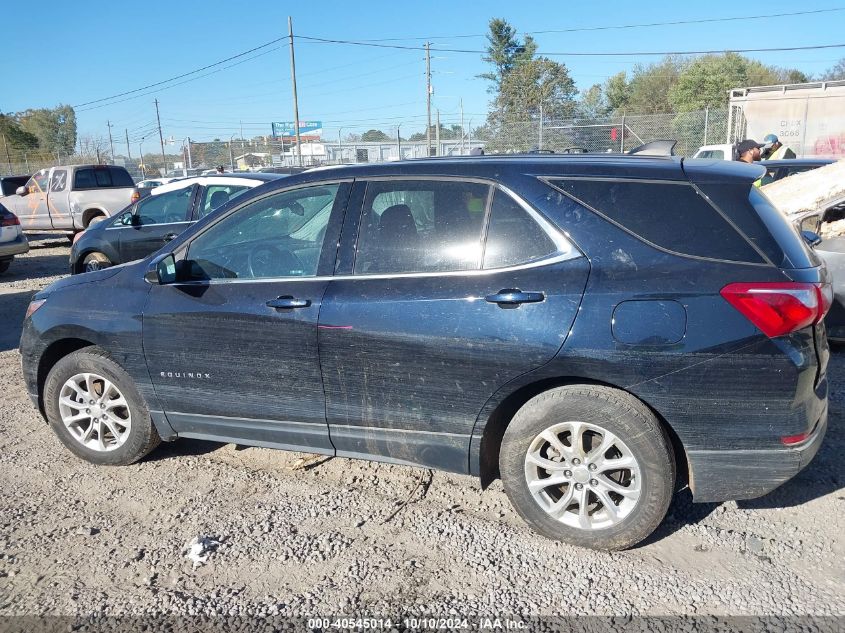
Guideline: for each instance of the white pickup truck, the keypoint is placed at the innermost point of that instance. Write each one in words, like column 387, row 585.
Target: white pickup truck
column 71, row 198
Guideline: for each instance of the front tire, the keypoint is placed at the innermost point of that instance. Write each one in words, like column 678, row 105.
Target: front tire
column 588, row 465
column 95, row 261
column 94, row 408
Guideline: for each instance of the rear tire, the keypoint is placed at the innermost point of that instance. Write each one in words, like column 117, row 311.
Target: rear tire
column 624, row 471
column 95, row 261
column 4, row 265
column 94, row 408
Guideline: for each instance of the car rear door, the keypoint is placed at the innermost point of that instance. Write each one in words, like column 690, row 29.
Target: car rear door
column 426, row 319
column 157, row 219
column 232, row 346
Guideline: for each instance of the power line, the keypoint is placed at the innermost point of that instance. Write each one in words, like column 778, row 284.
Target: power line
column 618, row 26
column 192, row 72
column 578, row 53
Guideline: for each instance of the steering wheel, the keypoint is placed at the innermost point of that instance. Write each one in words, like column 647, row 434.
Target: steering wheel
column 272, row 261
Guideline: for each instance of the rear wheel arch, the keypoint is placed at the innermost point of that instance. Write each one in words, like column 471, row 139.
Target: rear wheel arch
column 89, row 214
column 493, row 431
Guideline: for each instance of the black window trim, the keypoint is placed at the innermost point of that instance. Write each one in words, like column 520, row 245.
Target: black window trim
column 550, row 181
column 568, row 249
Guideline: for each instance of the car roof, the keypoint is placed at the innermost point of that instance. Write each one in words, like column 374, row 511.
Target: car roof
column 551, row 165
column 220, row 179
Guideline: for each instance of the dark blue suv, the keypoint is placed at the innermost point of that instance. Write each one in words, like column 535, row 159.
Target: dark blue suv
column 593, row 330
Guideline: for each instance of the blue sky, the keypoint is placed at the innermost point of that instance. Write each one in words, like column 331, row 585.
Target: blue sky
column 89, row 50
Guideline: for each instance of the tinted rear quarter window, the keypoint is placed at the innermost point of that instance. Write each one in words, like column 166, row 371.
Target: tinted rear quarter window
column 672, row 216
column 513, row 237
column 84, row 179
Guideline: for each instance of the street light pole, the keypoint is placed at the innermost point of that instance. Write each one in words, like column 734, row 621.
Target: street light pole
column 340, row 144
column 231, row 156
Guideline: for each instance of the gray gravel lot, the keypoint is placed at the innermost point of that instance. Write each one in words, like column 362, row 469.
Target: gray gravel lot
column 307, row 536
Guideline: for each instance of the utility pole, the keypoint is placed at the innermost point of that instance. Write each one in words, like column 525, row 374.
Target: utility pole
column 243, row 150
column 128, row 152
column 437, row 135
column 161, row 140
column 111, row 143
column 463, row 133
column 428, row 99
column 295, row 99
column 8, row 157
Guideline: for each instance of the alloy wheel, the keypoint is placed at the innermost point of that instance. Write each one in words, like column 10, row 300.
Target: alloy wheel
column 95, row 412
column 582, row 475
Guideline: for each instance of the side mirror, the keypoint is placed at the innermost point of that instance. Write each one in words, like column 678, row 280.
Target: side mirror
column 811, row 238
column 21, row 191
column 161, row 270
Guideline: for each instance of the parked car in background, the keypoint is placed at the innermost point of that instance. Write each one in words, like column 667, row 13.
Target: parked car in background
column 12, row 240
column 152, row 183
column 71, row 198
column 148, row 224
column 588, row 328
column 9, row 184
column 724, row 151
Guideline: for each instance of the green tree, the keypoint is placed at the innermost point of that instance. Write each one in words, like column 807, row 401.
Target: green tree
column 649, row 87
column 55, row 128
column 593, row 103
column 16, row 137
column 504, row 51
column 374, row 135
column 533, row 84
column 617, row 92
column 835, row 72
column 705, row 82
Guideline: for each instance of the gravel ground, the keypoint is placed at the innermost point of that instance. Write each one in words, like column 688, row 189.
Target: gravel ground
column 291, row 534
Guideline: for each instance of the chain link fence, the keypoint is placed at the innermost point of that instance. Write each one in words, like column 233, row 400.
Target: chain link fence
column 615, row 134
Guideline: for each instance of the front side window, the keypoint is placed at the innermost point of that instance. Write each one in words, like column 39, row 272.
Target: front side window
column 164, row 208
column 410, row 226
column 38, row 182
column 215, row 196
column 59, row 180
column 281, row 235
column 513, row 237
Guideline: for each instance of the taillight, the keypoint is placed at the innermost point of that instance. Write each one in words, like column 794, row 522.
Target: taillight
column 778, row 308
column 9, row 220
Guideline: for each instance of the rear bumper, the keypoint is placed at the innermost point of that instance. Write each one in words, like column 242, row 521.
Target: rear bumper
column 747, row 474
column 17, row 246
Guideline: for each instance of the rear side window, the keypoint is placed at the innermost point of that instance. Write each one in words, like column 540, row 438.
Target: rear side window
column 410, row 226
column 102, row 178
column 513, row 237
column 120, row 177
column 671, row 216
column 84, row 179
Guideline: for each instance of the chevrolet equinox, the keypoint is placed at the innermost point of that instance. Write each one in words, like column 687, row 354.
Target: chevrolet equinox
column 596, row 331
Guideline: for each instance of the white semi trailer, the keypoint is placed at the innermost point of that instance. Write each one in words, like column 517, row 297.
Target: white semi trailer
column 809, row 118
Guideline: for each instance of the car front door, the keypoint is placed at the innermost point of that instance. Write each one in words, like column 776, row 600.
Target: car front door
column 32, row 208
column 232, row 345
column 156, row 220
column 426, row 319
